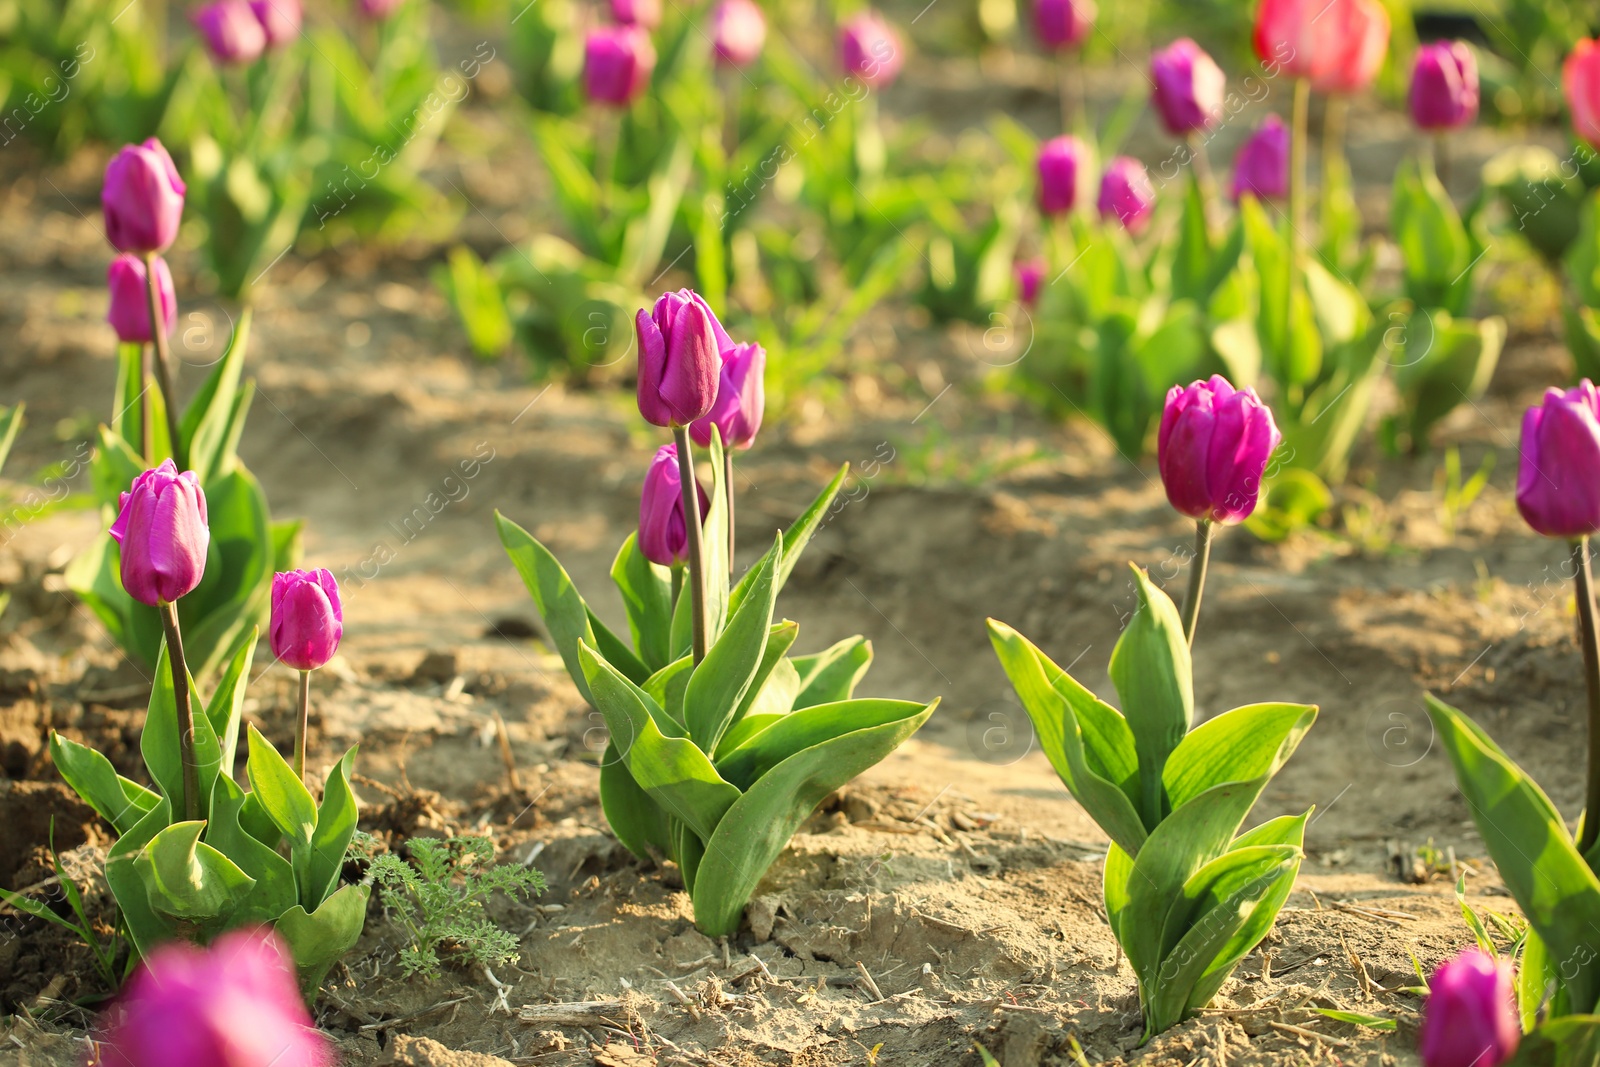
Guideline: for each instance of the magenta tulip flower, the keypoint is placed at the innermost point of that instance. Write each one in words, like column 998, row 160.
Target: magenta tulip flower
column 1030, row 279
column 163, row 533
column 1126, row 193
column 680, row 358
column 231, row 31
column 741, row 399
column 1358, row 39
column 235, row 1004
column 307, row 618
column 129, row 313
column 1212, row 448
column 377, row 10
column 617, row 64
column 1470, row 1018
column 870, row 49
column 280, row 20
column 1063, row 170
column 663, row 535
column 1189, row 88
column 738, row 30
column 1558, row 479
column 645, row 13
column 1063, row 23
column 1444, row 86
column 1580, row 81
column 1262, row 165
column 1291, row 38
column 142, row 199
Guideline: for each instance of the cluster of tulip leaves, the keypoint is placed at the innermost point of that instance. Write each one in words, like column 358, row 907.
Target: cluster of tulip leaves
column 246, row 545
column 1441, row 358
column 714, row 766
column 1188, row 895
column 269, row 856
column 1555, row 885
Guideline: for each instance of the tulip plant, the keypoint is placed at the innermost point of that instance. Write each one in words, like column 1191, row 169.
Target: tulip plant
column 721, row 743
column 1556, row 883
column 143, row 199
column 1187, row 894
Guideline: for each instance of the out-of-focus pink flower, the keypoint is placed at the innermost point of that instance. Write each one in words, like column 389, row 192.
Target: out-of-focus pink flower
column 129, row 313
column 1126, row 193
column 1262, row 165
column 1189, row 87
column 1212, row 449
column 617, row 63
column 231, row 31
column 1444, row 86
column 738, row 29
column 1358, row 40
column 1063, row 173
column 1063, row 23
column 1470, row 1018
column 1580, row 79
column 870, row 49
column 142, row 198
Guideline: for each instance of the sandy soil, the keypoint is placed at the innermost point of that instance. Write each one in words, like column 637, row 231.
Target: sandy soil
column 949, row 898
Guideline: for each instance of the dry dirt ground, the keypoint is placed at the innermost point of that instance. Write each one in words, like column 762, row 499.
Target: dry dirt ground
column 951, row 897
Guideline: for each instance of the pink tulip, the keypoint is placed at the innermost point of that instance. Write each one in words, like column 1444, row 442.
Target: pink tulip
column 377, row 10
column 617, row 64
column 643, row 13
column 280, row 20
column 1262, row 165
column 1358, row 39
column 680, row 358
column 663, row 534
column 1189, row 87
column 129, row 313
column 142, row 198
column 1030, row 279
column 1063, row 23
column 738, row 30
column 1212, row 449
column 1291, row 37
column 1580, row 78
column 1558, row 478
column 870, row 50
column 307, row 618
column 1444, row 86
column 1126, row 193
column 1063, row 172
column 1470, row 1018
column 163, row 533
column 231, row 31
column 234, row 1004
column 741, row 399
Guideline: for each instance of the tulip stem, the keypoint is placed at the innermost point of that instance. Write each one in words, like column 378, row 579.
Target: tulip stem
column 300, row 726
column 147, row 432
column 1335, row 168
column 1197, row 577
column 727, row 481
column 185, row 710
column 677, row 587
column 1591, row 672
column 1205, row 182
column 158, row 338
column 691, row 522
column 1297, row 206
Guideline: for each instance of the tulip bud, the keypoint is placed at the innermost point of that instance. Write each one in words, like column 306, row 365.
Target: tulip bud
column 1558, row 479
column 1189, row 87
column 663, row 535
column 280, row 20
column 1262, row 165
column 163, row 534
column 1126, row 192
column 1063, row 170
column 1212, row 448
column 617, row 63
column 142, row 198
column 741, row 399
column 1290, row 38
column 235, row 1003
column 129, row 313
column 1470, row 1018
column 1030, row 279
column 680, row 358
column 1358, row 39
column 1444, row 86
column 1580, row 80
column 377, row 10
column 1063, row 23
column 231, row 31
column 307, row 618
column 739, row 29
column 870, row 50
column 642, row 13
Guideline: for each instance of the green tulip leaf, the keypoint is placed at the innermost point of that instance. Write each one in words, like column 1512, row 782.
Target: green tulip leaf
column 807, row 728
column 1238, row 745
column 637, row 820
column 227, row 700
column 719, row 683
column 189, row 880
column 274, row 891
column 759, row 824
column 778, row 689
column 1151, row 669
column 336, row 825
column 666, row 687
column 158, row 742
column 647, row 597
column 117, row 800
column 317, row 939
column 145, row 927
column 832, row 674
column 1529, row 843
column 281, row 794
